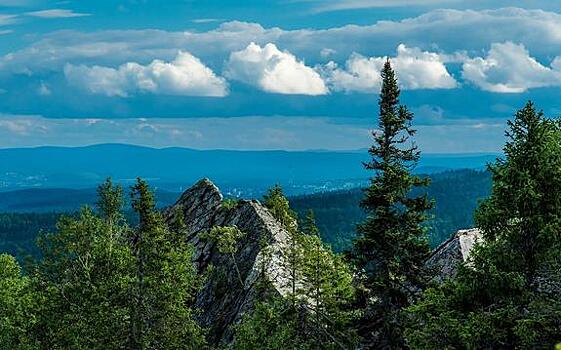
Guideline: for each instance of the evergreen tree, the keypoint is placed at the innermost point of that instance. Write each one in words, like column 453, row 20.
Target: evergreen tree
column 82, row 280
column 391, row 246
column 164, row 284
column 328, row 290
column 18, row 305
column 508, row 295
column 279, row 206
column 102, row 285
column 313, row 315
column 110, row 202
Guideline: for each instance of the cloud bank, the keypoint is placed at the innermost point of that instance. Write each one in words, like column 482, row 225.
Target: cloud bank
column 415, row 69
column 56, row 13
column 186, row 75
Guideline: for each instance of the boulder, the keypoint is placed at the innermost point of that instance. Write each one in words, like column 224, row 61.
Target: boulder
column 456, row 250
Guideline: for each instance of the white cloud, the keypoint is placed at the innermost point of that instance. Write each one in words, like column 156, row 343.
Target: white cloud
column 206, row 20
column 7, row 19
column 415, row 69
column 326, row 52
column 44, row 89
column 538, row 30
column 186, row 75
column 275, row 71
column 56, row 13
column 509, row 68
column 337, row 5
column 248, row 133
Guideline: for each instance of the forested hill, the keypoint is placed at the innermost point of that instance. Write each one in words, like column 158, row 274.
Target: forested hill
column 456, row 194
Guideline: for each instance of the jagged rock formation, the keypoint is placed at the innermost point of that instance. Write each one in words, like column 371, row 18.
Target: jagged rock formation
column 223, row 299
column 445, row 259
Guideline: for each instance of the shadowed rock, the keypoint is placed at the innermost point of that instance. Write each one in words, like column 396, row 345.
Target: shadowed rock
column 445, row 259
column 223, row 299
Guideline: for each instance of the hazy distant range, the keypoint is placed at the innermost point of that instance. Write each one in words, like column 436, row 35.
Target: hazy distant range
column 239, row 173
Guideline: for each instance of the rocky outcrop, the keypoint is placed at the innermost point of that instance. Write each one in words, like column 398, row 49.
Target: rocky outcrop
column 445, row 259
column 227, row 296
column 224, row 298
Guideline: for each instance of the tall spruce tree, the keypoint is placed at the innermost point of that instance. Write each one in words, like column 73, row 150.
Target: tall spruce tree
column 164, row 283
column 391, row 246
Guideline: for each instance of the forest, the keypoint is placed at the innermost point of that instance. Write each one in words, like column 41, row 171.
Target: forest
column 110, row 277
column 455, row 193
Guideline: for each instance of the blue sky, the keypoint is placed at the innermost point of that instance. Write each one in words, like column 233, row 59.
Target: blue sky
column 285, row 74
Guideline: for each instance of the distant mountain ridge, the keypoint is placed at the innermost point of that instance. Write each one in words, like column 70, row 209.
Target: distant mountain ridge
column 240, row 173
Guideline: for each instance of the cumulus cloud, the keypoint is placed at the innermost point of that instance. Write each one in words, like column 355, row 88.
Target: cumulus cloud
column 473, row 30
column 509, row 68
column 56, row 13
column 415, row 69
column 186, row 75
column 274, row 71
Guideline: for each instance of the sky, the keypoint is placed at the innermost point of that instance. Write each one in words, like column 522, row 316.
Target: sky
column 276, row 74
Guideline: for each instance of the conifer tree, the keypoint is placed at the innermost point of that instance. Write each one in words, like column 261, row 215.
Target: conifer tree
column 507, row 297
column 314, row 314
column 279, row 206
column 391, row 246
column 82, row 279
column 18, row 304
column 165, row 282
column 327, row 289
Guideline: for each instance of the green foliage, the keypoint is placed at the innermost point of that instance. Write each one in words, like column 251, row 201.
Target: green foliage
column 456, row 195
column 226, row 239
column 508, row 296
column 110, row 203
column 230, row 203
column 391, row 246
column 328, row 290
column 278, row 205
column 18, row 231
column 314, row 314
column 82, row 279
column 101, row 284
column 17, row 306
column 270, row 327
column 163, row 284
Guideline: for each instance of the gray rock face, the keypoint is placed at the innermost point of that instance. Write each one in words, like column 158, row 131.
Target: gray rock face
column 260, row 255
column 224, row 299
column 448, row 255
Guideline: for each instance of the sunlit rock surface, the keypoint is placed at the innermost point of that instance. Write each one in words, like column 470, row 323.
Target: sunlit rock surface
column 223, row 299
column 445, row 259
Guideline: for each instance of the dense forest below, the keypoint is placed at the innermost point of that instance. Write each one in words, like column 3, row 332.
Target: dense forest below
column 455, row 193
